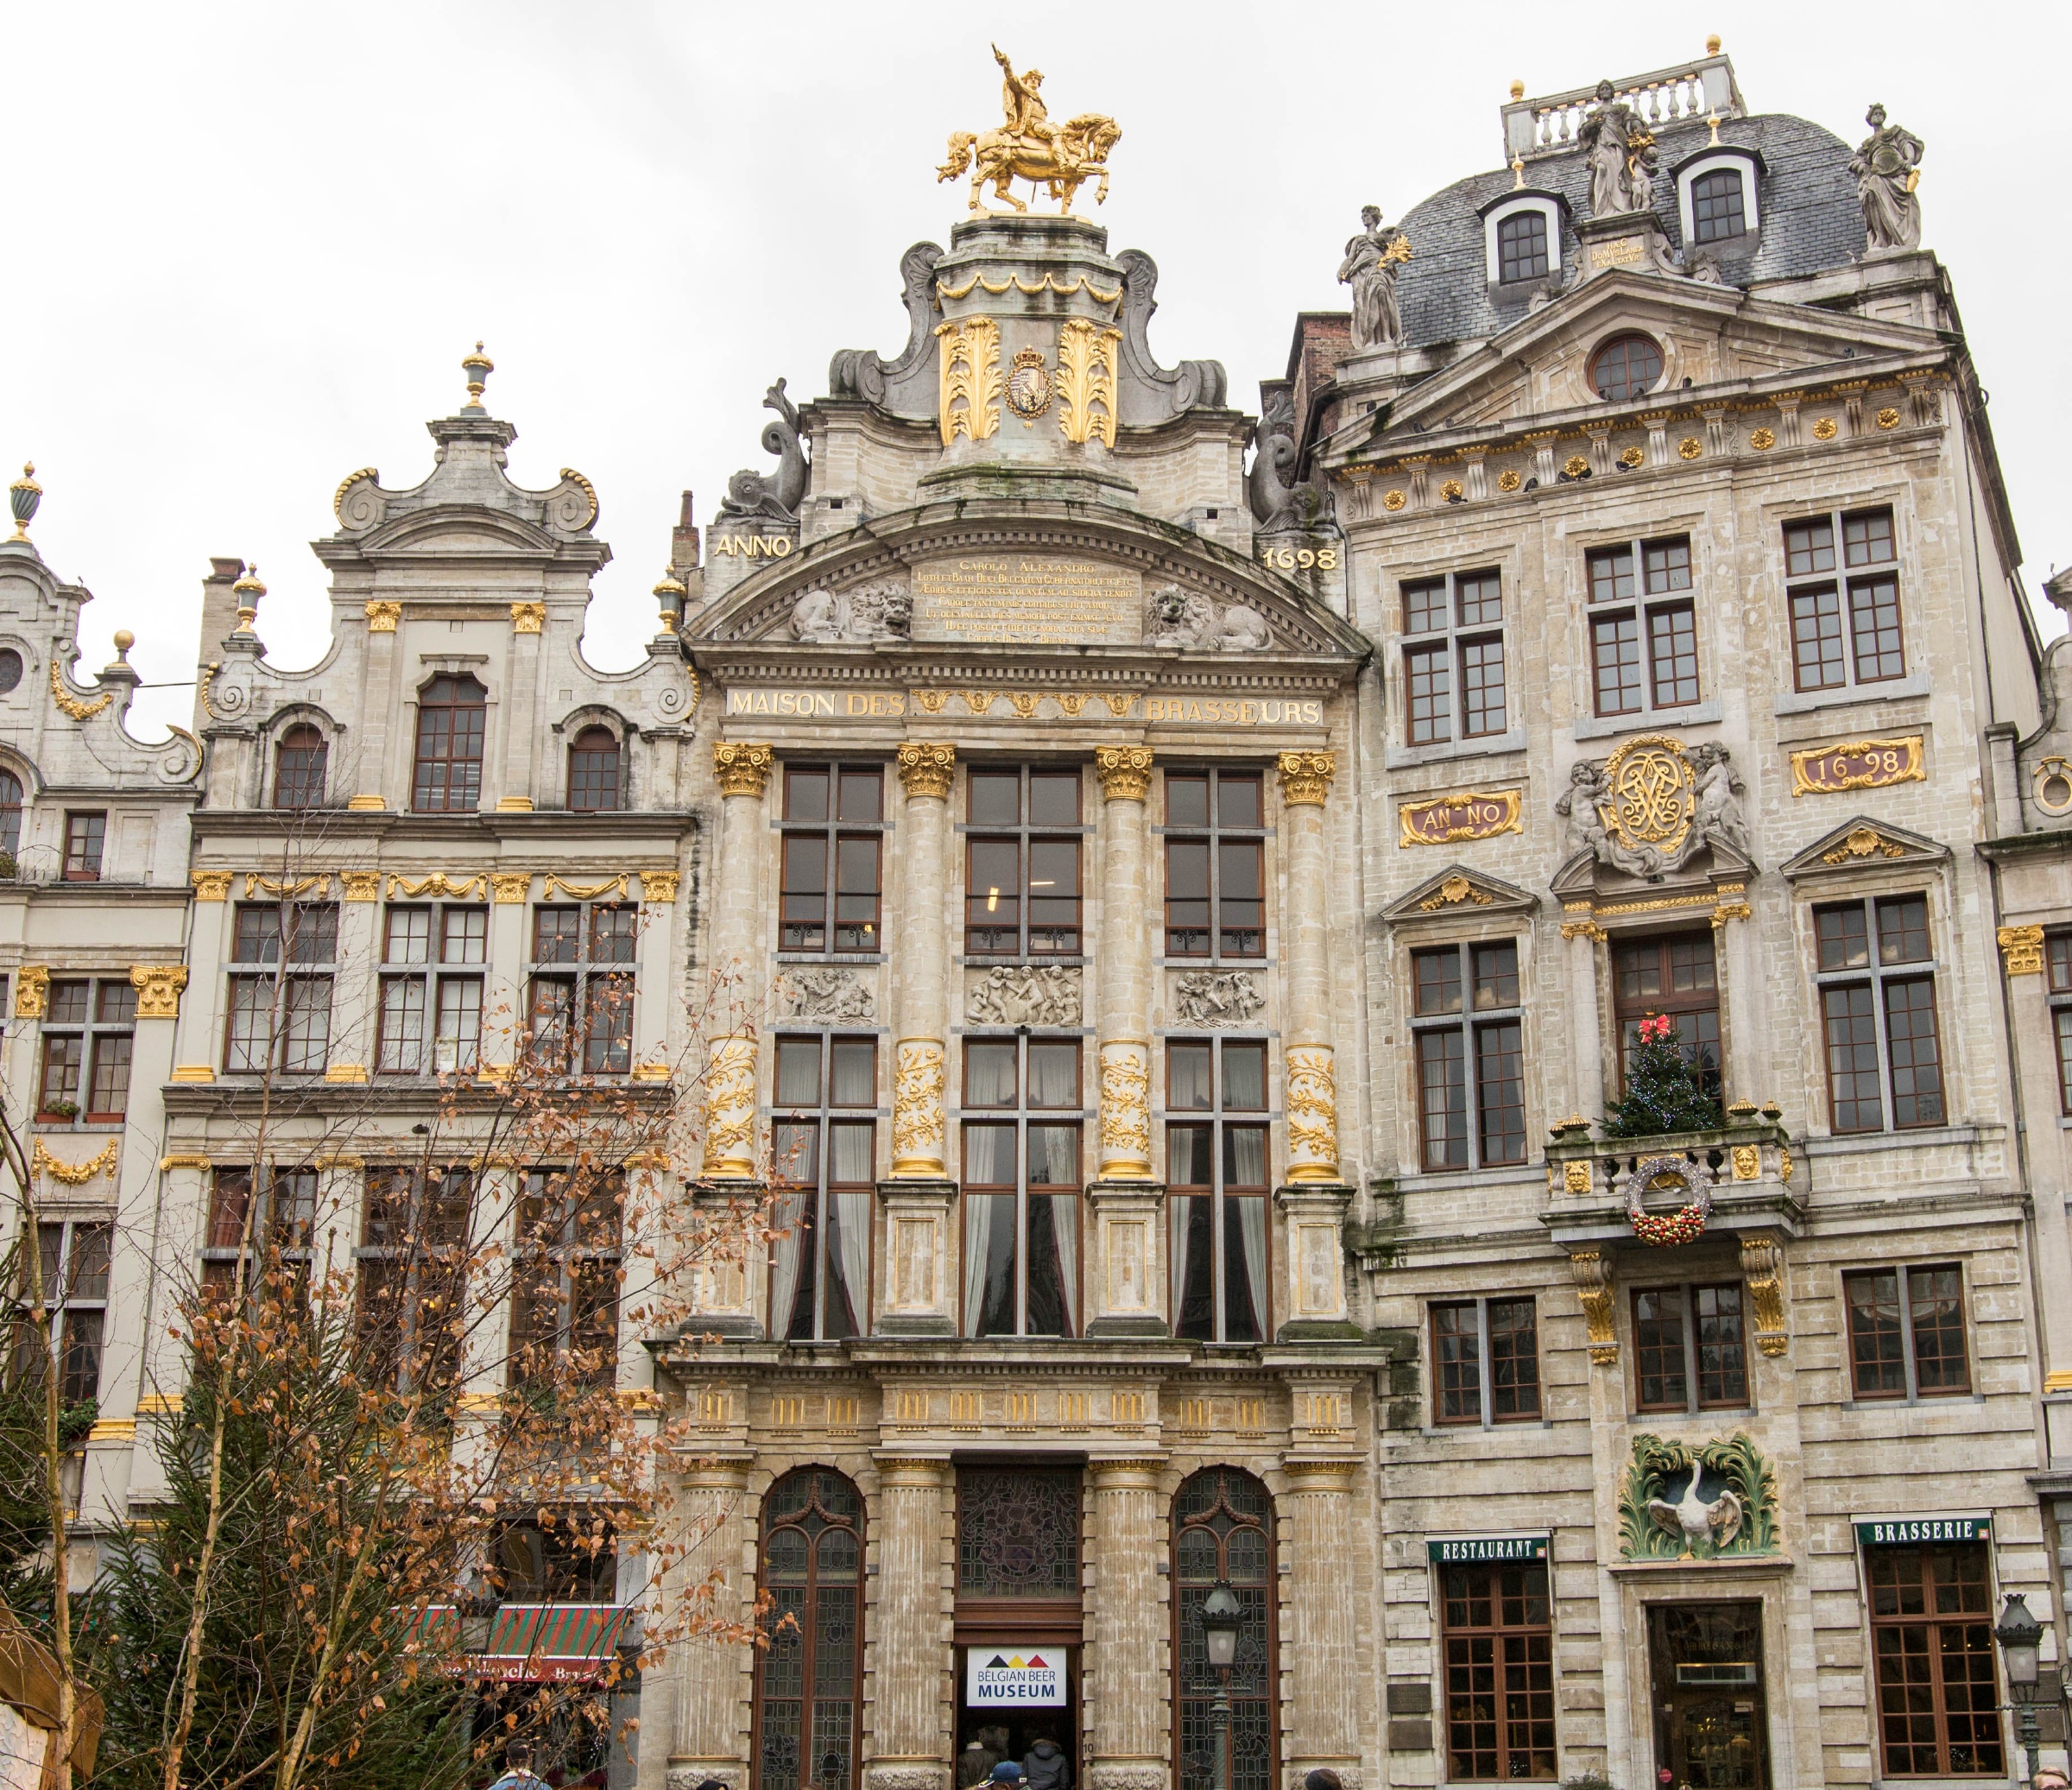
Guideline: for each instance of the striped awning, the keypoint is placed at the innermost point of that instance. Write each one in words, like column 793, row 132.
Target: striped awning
column 544, row 1643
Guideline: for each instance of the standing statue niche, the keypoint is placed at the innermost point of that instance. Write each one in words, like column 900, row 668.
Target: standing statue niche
column 1369, row 268
column 1620, row 150
column 753, row 496
column 1888, row 167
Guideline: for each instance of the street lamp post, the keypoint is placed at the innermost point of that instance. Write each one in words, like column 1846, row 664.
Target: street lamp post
column 1221, row 1616
column 2020, row 1635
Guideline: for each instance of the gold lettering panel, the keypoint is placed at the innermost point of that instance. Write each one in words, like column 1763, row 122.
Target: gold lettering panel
column 1466, row 814
column 1857, row 765
column 1028, row 599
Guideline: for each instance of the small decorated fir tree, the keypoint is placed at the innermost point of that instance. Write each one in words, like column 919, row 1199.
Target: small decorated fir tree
column 1663, row 1090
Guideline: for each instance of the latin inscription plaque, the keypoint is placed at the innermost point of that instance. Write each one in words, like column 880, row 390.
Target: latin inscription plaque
column 1028, row 599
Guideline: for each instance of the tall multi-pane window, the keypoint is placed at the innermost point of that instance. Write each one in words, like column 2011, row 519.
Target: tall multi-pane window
column 1931, row 1635
column 73, row 1258
column 1676, row 976
column 1644, row 630
column 11, row 813
column 825, row 1146
column 1215, row 865
column 433, row 960
column 1877, row 989
column 452, row 722
column 89, row 1028
column 1022, row 1168
column 1521, row 246
column 580, row 1000
column 564, row 1278
column 1453, row 657
column 809, row 1680
column 1691, row 1348
column 284, row 1222
column 1217, row 1177
column 1499, row 1633
column 414, row 1250
column 85, row 836
column 1468, row 1030
column 1222, row 1533
column 298, row 767
column 593, row 772
column 1022, row 882
column 1906, row 1332
column 833, row 846
column 283, row 955
column 1485, row 1362
column 1717, row 208
column 2057, row 962
column 1845, row 618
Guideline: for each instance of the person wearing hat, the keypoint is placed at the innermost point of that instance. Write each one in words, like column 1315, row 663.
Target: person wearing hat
column 1007, row 1773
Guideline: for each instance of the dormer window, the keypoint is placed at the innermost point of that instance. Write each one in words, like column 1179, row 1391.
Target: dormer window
column 1627, row 366
column 1716, row 196
column 1522, row 237
column 1716, row 210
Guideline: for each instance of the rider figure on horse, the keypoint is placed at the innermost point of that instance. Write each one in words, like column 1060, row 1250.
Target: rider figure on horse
column 1026, row 116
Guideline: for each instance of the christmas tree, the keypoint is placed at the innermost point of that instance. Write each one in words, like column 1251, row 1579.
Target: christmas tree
column 1663, row 1090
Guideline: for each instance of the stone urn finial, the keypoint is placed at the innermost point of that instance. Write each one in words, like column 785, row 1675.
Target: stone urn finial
column 479, row 367
column 23, row 497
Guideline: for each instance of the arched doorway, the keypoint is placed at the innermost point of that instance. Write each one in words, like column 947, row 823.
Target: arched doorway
column 808, row 1681
column 1223, row 1529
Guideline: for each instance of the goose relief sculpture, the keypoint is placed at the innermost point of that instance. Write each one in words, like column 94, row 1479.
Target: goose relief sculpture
column 1692, row 1518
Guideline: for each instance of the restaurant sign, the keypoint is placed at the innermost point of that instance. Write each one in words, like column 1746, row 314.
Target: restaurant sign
column 1470, row 1549
column 1910, row 1531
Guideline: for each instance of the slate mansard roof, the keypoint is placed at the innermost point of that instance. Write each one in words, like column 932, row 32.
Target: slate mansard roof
column 1809, row 219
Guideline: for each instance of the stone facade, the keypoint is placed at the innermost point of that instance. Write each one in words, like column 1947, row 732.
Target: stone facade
column 1170, row 894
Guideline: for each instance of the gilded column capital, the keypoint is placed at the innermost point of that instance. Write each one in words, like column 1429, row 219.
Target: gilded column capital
column 382, row 617
column 527, row 617
column 211, row 885
column 2022, row 947
column 659, row 885
column 361, row 885
column 743, row 769
column 511, row 887
column 1124, row 771
column 158, row 987
column 925, row 769
column 1305, row 777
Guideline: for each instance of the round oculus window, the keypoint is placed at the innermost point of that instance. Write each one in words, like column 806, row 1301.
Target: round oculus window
column 1625, row 367
column 10, row 668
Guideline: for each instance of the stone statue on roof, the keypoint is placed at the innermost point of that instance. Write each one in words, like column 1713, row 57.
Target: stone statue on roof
column 1622, row 153
column 1888, row 168
column 1369, row 268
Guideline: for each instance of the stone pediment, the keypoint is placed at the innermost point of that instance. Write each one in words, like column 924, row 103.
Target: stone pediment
column 1457, row 890
column 1043, row 576
column 1862, row 844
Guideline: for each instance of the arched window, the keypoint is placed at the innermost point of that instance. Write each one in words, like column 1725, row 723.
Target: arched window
column 1223, row 1532
column 809, row 1681
column 1625, row 367
column 299, row 762
column 593, row 771
column 11, row 813
column 452, row 718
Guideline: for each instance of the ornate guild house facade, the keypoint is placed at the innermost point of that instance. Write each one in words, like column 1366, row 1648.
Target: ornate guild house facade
column 1179, row 906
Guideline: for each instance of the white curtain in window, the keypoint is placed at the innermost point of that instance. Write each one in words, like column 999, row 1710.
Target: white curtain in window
column 1064, row 1224
column 852, row 1245
column 978, row 1249
column 787, row 1253
column 1251, row 1215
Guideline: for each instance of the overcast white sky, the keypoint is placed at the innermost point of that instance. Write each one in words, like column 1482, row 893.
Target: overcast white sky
column 247, row 246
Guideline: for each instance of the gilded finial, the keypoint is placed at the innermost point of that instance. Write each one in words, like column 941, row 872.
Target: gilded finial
column 670, row 593
column 22, row 497
column 479, row 367
column 248, row 590
column 1714, row 120
column 1712, row 44
column 124, row 640
column 1517, row 90
column 1518, row 172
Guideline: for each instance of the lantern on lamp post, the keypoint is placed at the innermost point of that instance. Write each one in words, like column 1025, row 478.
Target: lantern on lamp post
column 1221, row 1618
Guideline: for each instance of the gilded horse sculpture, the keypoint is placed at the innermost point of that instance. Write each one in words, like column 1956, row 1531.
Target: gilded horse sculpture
column 1028, row 147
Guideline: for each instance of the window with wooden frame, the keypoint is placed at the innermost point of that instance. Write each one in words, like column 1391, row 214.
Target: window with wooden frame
column 1521, row 246
column 283, row 1224
column 1485, row 1362
column 74, row 1259
column 565, row 1278
column 1875, row 981
column 1717, row 209
column 1690, row 1348
column 594, row 772
column 1222, row 1533
column 833, row 858
column 412, row 1259
column 1676, row 976
column 1218, row 1175
column 85, row 835
column 809, row 1680
column 1468, row 1032
column 1644, row 628
column 283, row 956
column 2057, row 963
column 300, row 761
column 433, row 958
column 1022, row 862
column 1022, row 1168
column 1845, row 617
column 453, row 725
column 11, row 810
column 1453, row 658
column 1932, row 1638
column 1215, row 864
column 88, row 1032
column 824, row 1140
column 580, row 989
column 1906, row 1332
column 1497, row 1625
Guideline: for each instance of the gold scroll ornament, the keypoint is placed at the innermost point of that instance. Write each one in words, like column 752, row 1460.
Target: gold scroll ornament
column 1086, row 380
column 1466, row 814
column 1648, row 797
column 1593, row 1277
column 1312, row 1105
column 1126, row 1111
column 971, row 378
column 1857, row 765
column 730, row 1109
column 917, row 1110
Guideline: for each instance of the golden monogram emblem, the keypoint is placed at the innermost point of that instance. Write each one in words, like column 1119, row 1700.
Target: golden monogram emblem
column 1647, row 793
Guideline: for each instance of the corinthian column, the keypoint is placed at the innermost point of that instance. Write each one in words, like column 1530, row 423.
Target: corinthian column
column 1125, row 1689
column 1311, row 1098
column 743, row 772
column 1324, row 1726
column 910, row 1636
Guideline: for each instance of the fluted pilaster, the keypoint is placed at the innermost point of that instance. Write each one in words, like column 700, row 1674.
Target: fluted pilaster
column 910, row 1649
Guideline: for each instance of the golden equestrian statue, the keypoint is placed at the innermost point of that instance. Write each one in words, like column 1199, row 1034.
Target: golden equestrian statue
column 1028, row 147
